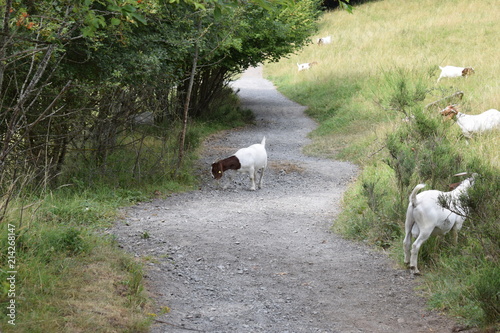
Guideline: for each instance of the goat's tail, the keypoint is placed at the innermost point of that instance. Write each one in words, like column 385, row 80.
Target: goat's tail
column 263, row 142
column 413, row 195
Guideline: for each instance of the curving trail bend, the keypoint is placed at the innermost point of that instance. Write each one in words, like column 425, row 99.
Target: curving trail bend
column 225, row 259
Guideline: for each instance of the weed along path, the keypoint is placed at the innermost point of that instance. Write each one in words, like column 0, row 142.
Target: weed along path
column 226, row 259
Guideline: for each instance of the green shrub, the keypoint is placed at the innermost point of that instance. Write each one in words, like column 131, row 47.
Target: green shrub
column 370, row 214
column 487, row 293
column 402, row 90
column 482, row 204
column 402, row 160
column 467, row 285
column 225, row 112
column 62, row 240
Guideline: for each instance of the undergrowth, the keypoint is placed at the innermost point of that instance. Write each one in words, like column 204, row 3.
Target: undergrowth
column 69, row 274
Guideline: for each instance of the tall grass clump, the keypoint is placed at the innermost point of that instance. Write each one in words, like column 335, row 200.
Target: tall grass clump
column 370, row 214
column 376, row 99
column 66, row 271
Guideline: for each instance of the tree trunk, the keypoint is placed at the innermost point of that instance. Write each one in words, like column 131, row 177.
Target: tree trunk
column 187, row 102
column 4, row 37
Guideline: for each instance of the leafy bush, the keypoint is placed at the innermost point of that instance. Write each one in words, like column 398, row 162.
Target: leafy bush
column 404, row 89
column 63, row 240
column 483, row 220
column 370, row 214
column 487, row 293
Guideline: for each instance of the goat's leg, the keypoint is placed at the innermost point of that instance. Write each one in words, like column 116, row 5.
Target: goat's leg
column 407, row 241
column 229, row 181
column 261, row 176
column 251, row 173
column 406, row 247
column 454, row 234
column 422, row 237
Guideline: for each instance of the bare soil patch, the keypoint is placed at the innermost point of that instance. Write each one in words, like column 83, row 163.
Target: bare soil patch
column 233, row 260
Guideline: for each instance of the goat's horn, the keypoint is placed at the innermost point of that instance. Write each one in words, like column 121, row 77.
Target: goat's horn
column 461, row 174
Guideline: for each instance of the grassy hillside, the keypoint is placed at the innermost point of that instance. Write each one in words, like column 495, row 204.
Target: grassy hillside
column 381, row 39
column 382, row 67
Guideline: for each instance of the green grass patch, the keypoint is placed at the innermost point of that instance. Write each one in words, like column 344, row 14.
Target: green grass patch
column 69, row 276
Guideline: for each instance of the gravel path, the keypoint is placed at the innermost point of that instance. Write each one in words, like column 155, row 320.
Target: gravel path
column 226, row 259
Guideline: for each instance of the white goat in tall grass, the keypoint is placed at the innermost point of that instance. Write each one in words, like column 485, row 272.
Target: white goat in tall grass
column 425, row 217
column 453, row 71
column 470, row 124
column 324, row 40
column 306, row 65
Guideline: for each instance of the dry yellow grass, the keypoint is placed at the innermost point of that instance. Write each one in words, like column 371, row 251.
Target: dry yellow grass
column 414, row 35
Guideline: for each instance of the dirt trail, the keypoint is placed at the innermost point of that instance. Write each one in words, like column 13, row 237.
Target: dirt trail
column 234, row 260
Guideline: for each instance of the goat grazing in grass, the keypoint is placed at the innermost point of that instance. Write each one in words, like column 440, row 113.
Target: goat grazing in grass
column 247, row 160
column 306, row 65
column 470, row 124
column 452, row 71
column 425, row 217
column 324, row 40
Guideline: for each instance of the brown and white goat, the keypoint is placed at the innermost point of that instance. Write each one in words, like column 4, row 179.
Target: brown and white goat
column 306, row 65
column 470, row 124
column 453, row 71
column 324, row 40
column 246, row 160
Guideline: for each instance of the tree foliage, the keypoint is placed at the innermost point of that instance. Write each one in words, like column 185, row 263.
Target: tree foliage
column 75, row 74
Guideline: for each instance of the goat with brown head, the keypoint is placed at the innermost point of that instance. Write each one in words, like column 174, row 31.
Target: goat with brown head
column 230, row 163
column 468, row 71
column 470, row 124
column 249, row 160
column 450, row 111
